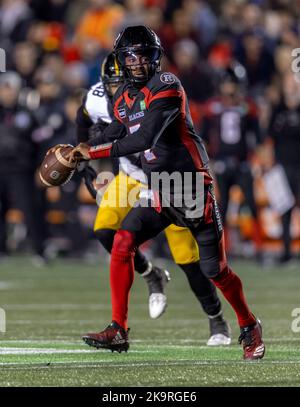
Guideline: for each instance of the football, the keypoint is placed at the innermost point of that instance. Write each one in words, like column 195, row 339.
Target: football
column 56, row 169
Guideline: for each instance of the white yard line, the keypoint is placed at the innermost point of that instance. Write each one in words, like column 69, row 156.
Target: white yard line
column 5, row 350
column 178, row 362
column 41, row 341
column 60, row 307
column 47, row 351
column 137, row 341
column 50, row 321
column 39, row 351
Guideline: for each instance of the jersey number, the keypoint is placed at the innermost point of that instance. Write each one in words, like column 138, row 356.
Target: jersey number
column 230, row 127
column 99, row 91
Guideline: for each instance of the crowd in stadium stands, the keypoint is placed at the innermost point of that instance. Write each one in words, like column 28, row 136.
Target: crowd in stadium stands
column 54, row 50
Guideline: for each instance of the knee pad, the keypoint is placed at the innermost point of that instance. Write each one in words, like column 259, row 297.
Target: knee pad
column 124, row 241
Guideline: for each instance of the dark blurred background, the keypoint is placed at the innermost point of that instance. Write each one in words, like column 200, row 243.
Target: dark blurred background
column 234, row 58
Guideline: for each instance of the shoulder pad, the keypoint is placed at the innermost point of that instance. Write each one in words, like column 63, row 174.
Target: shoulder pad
column 119, row 92
column 97, row 104
column 163, row 81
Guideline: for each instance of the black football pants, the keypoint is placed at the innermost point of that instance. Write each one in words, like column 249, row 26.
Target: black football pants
column 146, row 223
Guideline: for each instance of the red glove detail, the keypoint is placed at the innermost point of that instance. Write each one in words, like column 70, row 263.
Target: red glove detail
column 101, row 151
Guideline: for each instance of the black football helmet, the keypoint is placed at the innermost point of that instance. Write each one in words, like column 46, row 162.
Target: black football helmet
column 142, row 41
column 111, row 74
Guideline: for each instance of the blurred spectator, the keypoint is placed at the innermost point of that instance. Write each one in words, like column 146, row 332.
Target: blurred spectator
column 283, row 59
column 192, row 71
column 169, row 6
column 51, row 121
column 155, row 19
column 101, row 23
column 50, row 10
column 75, row 76
column 15, row 19
column 194, row 74
column 37, row 33
column 285, row 130
column 230, row 23
column 252, row 16
column 220, row 55
column 288, row 29
column 231, row 130
column 255, row 56
column 55, row 63
column 204, row 21
column 92, row 56
column 25, row 59
column 68, row 202
column 179, row 28
column 135, row 12
column 18, row 163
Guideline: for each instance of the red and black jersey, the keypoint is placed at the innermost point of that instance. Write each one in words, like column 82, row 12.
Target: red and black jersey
column 230, row 131
column 155, row 121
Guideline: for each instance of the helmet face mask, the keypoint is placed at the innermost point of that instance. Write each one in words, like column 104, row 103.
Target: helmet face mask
column 138, row 51
column 140, row 63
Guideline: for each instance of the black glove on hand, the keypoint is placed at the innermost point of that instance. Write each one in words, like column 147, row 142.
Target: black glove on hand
column 88, row 174
column 96, row 129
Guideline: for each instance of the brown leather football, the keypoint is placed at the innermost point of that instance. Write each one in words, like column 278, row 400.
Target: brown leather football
column 56, row 169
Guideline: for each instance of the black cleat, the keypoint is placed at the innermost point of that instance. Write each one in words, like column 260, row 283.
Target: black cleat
column 113, row 337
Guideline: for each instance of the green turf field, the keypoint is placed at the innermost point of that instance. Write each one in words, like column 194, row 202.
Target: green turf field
column 47, row 310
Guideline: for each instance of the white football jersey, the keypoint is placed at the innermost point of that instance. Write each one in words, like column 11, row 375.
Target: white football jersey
column 97, row 104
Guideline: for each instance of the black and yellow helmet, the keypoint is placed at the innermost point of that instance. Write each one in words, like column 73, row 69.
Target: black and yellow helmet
column 111, row 72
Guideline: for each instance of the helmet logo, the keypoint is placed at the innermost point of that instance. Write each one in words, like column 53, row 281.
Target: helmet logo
column 167, row 78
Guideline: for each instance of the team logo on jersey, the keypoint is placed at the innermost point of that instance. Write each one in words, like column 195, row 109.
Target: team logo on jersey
column 142, row 105
column 135, row 116
column 122, row 113
column 167, row 78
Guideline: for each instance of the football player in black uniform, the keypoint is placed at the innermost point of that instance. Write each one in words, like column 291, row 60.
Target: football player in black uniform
column 95, row 114
column 151, row 116
column 231, row 129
